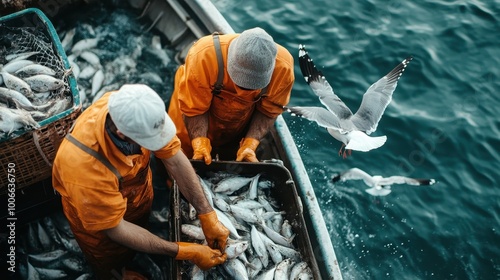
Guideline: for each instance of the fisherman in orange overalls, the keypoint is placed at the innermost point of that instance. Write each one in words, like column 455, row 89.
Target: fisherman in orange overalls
column 229, row 93
column 102, row 173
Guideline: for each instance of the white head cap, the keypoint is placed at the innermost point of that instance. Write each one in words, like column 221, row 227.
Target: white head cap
column 139, row 113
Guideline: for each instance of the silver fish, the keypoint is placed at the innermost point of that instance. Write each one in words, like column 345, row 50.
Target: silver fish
column 68, row 39
column 91, row 58
column 248, row 204
column 104, row 90
column 87, row 72
column 84, row 44
column 48, row 273
column 43, row 237
column 259, row 246
column 297, row 269
column 158, row 217
column 234, row 248
column 252, row 190
column 236, row 269
column 20, row 56
column 75, row 69
column 283, row 269
column 51, row 229
column 271, row 215
column 192, row 212
column 306, row 274
column 59, row 106
column 35, row 69
column 244, row 214
column 7, row 95
column 72, row 246
column 17, row 84
column 263, row 200
column 85, row 276
column 232, row 184
column 193, row 231
column 277, row 223
column 227, row 223
column 206, row 189
column 197, row 273
column 289, row 252
column 267, row 275
column 33, row 272
column 220, row 203
column 276, row 237
column 97, row 82
column 254, row 268
column 43, row 83
column 14, row 119
column 34, row 110
column 271, row 248
column 46, row 257
column 286, row 229
column 15, row 65
column 73, row 264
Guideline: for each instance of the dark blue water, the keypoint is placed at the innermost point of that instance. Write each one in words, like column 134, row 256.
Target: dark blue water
column 442, row 123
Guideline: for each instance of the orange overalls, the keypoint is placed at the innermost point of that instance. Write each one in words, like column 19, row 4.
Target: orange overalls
column 94, row 197
column 230, row 110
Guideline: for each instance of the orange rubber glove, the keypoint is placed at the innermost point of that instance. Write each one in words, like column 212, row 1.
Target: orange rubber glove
column 215, row 232
column 202, row 256
column 247, row 148
column 202, row 149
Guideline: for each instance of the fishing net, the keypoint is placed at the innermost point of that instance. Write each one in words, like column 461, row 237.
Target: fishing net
column 19, row 40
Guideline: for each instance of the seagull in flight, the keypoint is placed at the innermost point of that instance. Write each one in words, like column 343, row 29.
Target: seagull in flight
column 379, row 186
column 350, row 129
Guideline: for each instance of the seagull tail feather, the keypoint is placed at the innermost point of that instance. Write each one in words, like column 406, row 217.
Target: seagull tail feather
column 366, row 143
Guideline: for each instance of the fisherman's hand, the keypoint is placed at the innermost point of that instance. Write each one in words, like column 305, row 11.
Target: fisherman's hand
column 203, row 256
column 247, row 150
column 215, row 232
column 202, row 149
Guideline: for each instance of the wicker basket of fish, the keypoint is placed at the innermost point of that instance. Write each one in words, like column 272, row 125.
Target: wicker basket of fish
column 39, row 100
column 259, row 205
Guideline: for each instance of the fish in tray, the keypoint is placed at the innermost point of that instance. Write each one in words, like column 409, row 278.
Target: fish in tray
column 260, row 244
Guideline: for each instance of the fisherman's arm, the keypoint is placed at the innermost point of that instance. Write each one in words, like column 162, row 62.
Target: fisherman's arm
column 197, row 127
column 140, row 239
column 189, row 185
column 259, row 126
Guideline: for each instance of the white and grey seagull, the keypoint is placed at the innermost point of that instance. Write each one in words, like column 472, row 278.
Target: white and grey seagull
column 379, row 186
column 350, row 129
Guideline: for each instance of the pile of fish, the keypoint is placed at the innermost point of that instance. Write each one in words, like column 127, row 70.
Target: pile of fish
column 106, row 52
column 260, row 244
column 29, row 91
column 47, row 250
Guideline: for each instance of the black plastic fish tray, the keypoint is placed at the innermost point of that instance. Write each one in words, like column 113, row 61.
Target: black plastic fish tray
column 284, row 192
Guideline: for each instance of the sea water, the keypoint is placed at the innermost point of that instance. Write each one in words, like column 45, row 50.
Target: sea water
column 442, row 123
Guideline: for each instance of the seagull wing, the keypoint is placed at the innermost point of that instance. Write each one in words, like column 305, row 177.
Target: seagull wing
column 405, row 180
column 320, row 86
column 320, row 115
column 376, row 99
column 357, row 174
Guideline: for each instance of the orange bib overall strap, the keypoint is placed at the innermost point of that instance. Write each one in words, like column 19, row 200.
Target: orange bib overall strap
column 98, row 156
